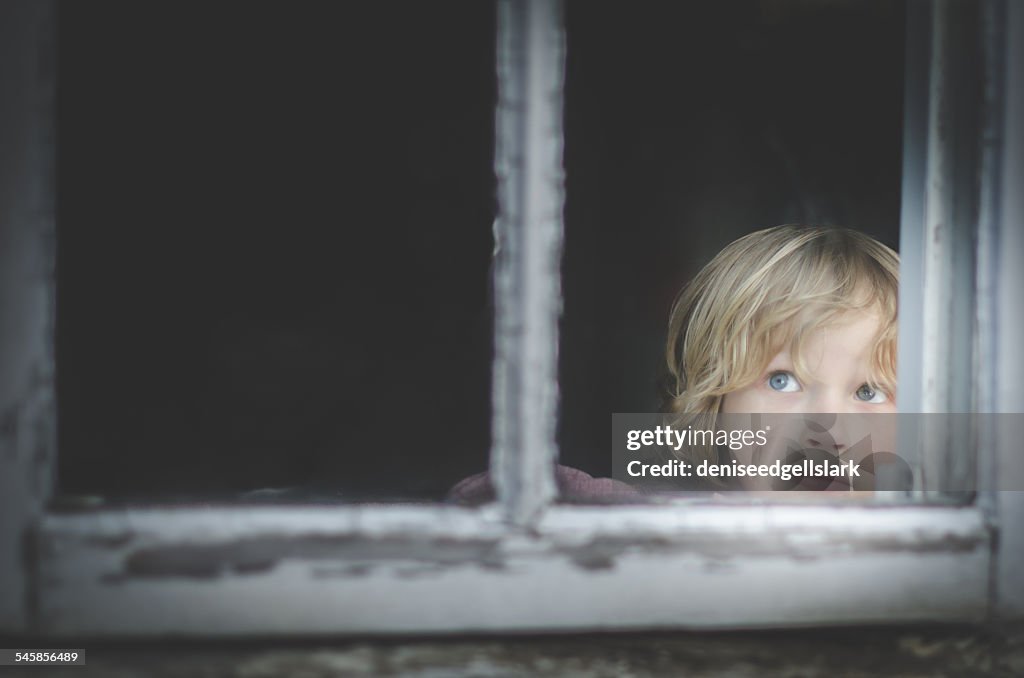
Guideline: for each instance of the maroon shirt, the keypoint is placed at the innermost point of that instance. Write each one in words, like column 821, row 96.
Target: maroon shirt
column 574, row 486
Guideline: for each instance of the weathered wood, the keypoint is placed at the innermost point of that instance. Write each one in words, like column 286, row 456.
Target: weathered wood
column 942, row 294
column 390, row 570
column 398, row 569
column 528, row 250
column 1008, row 330
column 27, row 424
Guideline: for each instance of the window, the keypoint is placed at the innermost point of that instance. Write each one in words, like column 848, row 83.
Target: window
column 526, row 563
column 701, row 125
column 284, row 214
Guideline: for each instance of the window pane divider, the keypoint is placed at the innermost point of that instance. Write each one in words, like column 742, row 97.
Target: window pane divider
column 528, row 247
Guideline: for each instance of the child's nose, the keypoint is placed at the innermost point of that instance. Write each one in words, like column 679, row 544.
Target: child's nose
column 825, row 441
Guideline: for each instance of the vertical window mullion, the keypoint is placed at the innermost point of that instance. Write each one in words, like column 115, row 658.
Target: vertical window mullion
column 528, row 246
column 938, row 294
column 987, row 364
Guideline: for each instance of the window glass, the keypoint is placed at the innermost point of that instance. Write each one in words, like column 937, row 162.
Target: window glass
column 688, row 126
column 274, row 249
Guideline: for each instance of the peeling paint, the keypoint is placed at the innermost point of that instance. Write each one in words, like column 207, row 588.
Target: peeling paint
column 262, row 554
column 601, row 553
column 218, row 571
column 528, row 235
column 110, row 541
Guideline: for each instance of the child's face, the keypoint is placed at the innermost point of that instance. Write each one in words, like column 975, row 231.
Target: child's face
column 839, row 360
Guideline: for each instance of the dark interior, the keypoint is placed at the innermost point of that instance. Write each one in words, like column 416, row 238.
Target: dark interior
column 274, row 247
column 687, row 126
column 275, row 222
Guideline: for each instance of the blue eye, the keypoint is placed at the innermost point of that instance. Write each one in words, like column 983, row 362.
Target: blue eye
column 869, row 395
column 783, row 382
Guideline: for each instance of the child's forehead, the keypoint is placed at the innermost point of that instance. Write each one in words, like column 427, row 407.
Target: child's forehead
column 854, row 325
column 842, row 348
column 851, row 334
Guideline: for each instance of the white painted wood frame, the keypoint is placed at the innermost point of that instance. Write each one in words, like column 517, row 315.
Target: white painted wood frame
column 523, row 564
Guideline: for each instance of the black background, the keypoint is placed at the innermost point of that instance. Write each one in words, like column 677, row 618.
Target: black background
column 274, row 246
column 274, row 221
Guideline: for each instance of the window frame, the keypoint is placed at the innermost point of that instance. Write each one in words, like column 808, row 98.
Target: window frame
column 524, row 563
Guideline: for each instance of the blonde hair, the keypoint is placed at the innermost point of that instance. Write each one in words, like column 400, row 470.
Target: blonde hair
column 768, row 291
